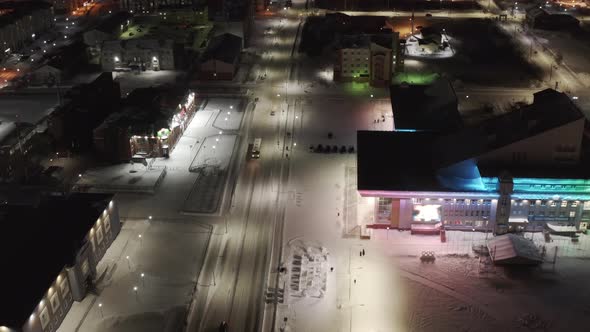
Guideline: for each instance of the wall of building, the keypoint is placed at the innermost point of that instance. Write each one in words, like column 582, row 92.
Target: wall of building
column 353, row 64
column 14, row 36
column 563, row 142
column 380, row 65
column 161, row 58
column 467, row 213
column 216, row 70
column 70, row 283
column 53, row 307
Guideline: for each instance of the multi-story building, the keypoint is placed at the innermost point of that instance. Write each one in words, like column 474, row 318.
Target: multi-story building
column 220, row 61
column 138, row 53
column 15, row 144
column 150, row 124
column 50, row 249
column 365, row 58
column 141, row 6
column 84, row 107
column 520, row 170
column 61, row 66
column 20, row 22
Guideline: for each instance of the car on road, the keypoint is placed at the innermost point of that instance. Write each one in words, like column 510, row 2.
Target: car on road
column 272, row 113
column 428, row 15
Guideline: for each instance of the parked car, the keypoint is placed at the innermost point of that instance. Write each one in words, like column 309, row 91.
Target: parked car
column 351, row 149
column 334, row 148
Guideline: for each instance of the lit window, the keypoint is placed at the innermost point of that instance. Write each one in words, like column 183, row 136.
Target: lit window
column 572, row 214
column 563, row 203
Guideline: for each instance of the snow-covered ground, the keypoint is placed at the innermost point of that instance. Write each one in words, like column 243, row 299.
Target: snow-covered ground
column 174, row 189
column 172, row 246
column 26, row 108
column 122, row 178
column 431, row 50
column 389, row 288
column 165, row 279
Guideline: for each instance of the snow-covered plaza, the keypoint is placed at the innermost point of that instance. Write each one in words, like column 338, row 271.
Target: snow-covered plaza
column 388, row 288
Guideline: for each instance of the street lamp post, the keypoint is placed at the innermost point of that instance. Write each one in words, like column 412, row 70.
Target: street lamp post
column 128, row 263
column 100, row 308
column 135, row 291
column 142, row 275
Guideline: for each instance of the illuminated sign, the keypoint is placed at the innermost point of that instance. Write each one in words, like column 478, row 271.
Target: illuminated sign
column 427, row 213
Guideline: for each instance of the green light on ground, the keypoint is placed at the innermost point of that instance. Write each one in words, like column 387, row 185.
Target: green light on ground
column 415, row 78
column 356, row 87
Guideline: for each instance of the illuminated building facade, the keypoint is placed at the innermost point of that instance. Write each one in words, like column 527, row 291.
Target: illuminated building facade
column 51, row 246
column 150, row 125
column 520, row 170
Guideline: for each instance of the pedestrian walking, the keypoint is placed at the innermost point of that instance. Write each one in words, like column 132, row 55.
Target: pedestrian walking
column 338, row 214
column 331, row 269
column 363, row 252
column 355, row 281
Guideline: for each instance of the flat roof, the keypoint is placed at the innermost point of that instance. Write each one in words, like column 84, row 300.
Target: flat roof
column 36, row 243
column 225, row 48
column 389, row 160
column 431, row 161
column 430, row 107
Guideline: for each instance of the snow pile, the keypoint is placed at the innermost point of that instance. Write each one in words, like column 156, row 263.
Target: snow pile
column 513, row 249
column 561, row 228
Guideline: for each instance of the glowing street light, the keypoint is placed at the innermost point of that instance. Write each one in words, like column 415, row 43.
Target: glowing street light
column 100, row 308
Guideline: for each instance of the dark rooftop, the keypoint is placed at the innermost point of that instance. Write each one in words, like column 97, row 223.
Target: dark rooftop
column 389, row 160
column 353, row 25
column 225, row 47
column 68, row 56
column 36, row 242
column 550, row 109
column 425, row 107
column 146, row 110
column 429, row 160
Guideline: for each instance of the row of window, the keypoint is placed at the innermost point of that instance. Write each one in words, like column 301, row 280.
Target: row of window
column 58, row 307
column 550, row 203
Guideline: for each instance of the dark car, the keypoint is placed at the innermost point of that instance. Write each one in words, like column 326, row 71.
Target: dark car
column 428, row 15
column 334, row 148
